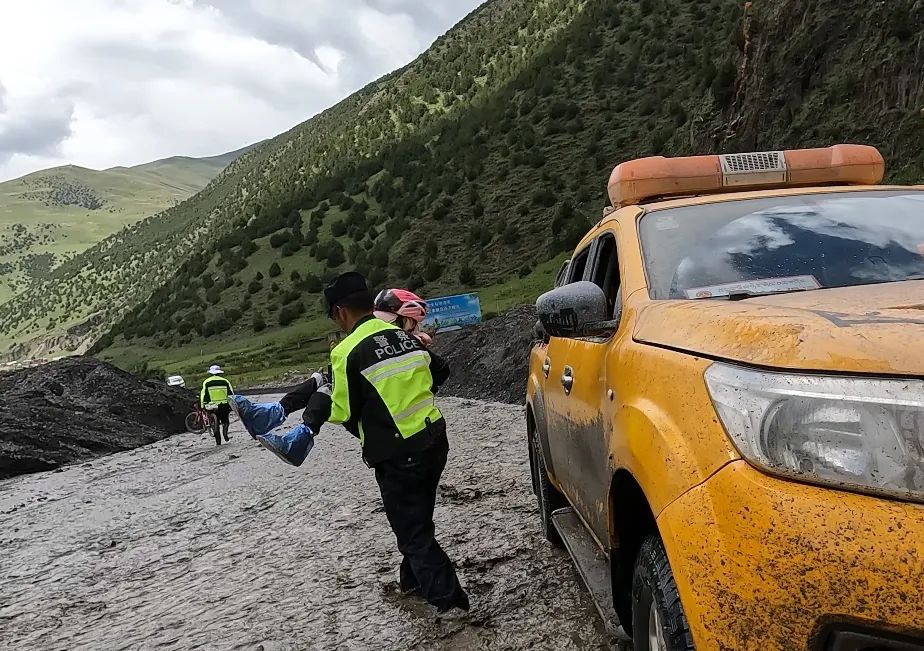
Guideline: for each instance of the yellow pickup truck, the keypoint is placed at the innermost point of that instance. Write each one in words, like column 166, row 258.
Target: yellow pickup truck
column 726, row 411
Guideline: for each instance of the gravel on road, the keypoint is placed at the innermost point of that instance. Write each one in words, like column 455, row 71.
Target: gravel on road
column 181, row 544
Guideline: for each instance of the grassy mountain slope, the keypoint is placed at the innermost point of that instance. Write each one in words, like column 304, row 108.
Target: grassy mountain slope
column 486, row 158
column 48, row 216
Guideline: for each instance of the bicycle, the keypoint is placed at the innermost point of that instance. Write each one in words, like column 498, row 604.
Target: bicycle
column 199, row 420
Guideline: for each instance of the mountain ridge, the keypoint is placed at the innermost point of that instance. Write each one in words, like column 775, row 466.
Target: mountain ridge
column 49, row 215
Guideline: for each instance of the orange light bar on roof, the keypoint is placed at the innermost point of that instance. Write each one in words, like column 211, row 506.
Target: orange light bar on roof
column 659, row 177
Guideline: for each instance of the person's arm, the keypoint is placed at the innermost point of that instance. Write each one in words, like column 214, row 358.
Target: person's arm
column 230, row 388
column 439, row 369
column 204, row 395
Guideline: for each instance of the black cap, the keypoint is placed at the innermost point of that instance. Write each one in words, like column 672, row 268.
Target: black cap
column 344, row 285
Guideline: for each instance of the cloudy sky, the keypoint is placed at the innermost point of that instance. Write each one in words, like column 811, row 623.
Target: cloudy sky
column 101, row 83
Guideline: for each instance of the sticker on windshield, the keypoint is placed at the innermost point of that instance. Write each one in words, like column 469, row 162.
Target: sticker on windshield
column 765, row 286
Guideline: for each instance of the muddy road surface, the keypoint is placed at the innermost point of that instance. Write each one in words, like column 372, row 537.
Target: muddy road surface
column 182, row 545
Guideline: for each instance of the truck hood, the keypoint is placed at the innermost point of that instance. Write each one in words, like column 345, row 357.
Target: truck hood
column 868, row 329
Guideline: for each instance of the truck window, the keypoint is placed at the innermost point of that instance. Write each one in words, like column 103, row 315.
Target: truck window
column 562, row 273
column 606, row 271
column 578, row 266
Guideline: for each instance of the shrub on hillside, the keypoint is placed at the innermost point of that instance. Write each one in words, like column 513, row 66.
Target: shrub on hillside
column 312, row 283
column 544, row 197
column 433, row 270
column 338, row 228
column 335, row 257
column 287, row 315
column 467, row 276
column 290, row 248
column 415, row 282
column 279, row 239
column 216, row 327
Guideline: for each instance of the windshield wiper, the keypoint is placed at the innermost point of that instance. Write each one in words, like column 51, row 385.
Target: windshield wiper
column 741, row 296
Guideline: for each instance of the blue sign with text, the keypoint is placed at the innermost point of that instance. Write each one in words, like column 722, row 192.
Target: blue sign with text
column 452, row 312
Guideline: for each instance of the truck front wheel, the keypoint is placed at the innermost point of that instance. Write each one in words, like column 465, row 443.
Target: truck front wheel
column 658, row 621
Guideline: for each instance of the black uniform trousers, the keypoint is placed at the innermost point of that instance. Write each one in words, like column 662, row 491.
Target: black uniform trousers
column 408, row 485
column 221, row 422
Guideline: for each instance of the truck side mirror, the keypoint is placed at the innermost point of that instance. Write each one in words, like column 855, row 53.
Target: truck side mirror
column 574, row 310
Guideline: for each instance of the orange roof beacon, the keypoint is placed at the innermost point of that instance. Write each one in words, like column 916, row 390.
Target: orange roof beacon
column 726, row 411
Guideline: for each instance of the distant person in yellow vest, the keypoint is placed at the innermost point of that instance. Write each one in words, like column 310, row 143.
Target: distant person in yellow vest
column 214, row 398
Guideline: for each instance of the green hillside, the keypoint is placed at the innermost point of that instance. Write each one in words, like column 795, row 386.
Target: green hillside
column 480, row 162
column 48, row 216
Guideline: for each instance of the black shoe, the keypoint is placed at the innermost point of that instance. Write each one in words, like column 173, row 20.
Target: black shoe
column 461, row 602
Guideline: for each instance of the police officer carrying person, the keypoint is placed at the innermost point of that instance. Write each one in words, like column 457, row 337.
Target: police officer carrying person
column 214, row 397
column 383, row 393
column 383, row 385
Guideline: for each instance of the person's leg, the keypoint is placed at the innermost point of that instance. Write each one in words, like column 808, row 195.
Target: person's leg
column 408, row 581
column 260, row 419
column 224, row 417
column 257, row 418
column 440, row 454
column 408, row 493
column 213, row 423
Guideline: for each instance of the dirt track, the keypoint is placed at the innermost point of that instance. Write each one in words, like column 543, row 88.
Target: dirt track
column 183, row 545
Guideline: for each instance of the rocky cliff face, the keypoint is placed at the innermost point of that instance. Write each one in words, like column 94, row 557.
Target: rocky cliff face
column 817, row 72
column 76, row 340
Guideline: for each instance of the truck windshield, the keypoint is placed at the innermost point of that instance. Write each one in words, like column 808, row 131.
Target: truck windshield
column 779, row 244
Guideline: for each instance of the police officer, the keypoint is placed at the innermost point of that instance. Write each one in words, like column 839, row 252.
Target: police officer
column 214, row 396
column 383, row 393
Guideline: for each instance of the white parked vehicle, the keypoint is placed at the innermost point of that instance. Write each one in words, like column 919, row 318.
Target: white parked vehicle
column 176, row 381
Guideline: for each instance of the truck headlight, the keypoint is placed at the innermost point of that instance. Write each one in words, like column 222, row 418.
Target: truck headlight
column 854, row 433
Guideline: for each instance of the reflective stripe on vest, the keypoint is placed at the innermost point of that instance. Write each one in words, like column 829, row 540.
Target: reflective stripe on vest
column 405, row 385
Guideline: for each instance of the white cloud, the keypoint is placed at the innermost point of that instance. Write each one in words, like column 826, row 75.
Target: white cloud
column 101, row 83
